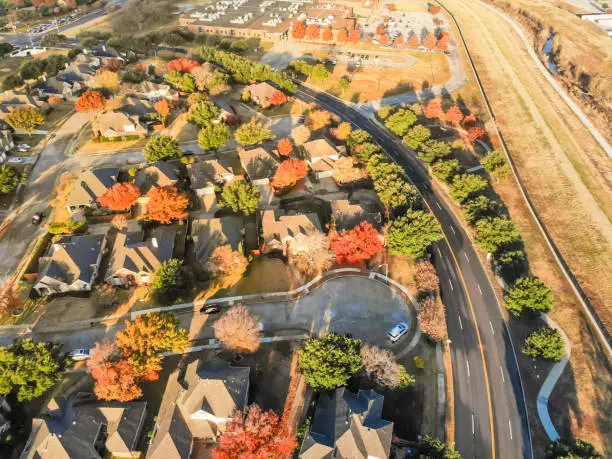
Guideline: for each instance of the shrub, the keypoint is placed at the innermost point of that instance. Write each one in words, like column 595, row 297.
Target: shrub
column 546, row 343
column 529, row 294
column 431, row 318
column 382, row 369
column 426, row 278
column 511, row 264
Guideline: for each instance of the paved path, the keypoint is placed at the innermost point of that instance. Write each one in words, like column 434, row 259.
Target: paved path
column 551, row 381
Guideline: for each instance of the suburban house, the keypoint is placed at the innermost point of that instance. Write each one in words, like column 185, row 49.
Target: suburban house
column 258, row 164
column 117, row 124
column 209, row 233
column 348, row 425
column 10, row 100
column 49, row 87
column 86, row 428
column 281, row 230
column 76, row 73
column 196, row 407
column 321, row 155
column 70, row 265
column 87, row 59
column 89, row 186
column 261, row 93
column 142, row 108
column 226, row 112
column 135, row 258
column 346, row 214
column 205, row 176
column 152, row 91
column 156, row 175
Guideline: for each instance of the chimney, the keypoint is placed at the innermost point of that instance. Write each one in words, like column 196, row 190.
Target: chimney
column 154, row 242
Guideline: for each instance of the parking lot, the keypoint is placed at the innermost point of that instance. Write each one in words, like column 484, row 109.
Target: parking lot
column 404, row 23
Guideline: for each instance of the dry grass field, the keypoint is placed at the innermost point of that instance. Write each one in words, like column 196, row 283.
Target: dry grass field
column 567, row 177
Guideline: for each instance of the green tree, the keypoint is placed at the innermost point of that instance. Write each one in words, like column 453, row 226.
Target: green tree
column 384, row 112
column 241, row 197
column 161, row 147
column 53, row 39
column 203, row 113
column 5, row 48
column 213, row 136
column 401, row 121
column 413, row 233
column 182, row 81
column 432, row 151
column 571, row 448
column 344, row 83
column 25, row 118
column 466, row 186
column 31, row 69
column 366, row 150
column 446, row 170
column 511, row 264
column 546, row 343
column 329, row 362
column 480, row 207
column 252, row 133
column 496, row 233
column 9, row 179
column 432, row 448
column 171, row 282
column 319, row 73
column 30, row 367
column 531, row 294
column 396, row 193
column 495, row 164
column 11, row 82
column 357, row 137
column 416, row 136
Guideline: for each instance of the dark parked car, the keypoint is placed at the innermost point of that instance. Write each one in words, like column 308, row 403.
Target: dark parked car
column 210, row 310
column 37, row 218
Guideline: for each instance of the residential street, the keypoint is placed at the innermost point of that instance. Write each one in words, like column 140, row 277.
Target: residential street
column 464, row 285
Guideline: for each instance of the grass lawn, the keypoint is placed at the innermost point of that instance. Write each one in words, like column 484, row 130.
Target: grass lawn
column 264, row 275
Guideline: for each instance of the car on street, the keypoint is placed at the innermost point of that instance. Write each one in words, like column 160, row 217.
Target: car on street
column 37, row 218
column 210, row 310
column 80, row 354
column 399, row 330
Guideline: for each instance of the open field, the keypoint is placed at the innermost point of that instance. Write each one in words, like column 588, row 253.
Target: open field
column 566, row 175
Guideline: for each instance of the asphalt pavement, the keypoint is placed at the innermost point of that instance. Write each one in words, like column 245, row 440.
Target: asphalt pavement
column 490, row 413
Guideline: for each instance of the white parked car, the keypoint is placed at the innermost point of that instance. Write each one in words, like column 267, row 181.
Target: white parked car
column 80, row 354
column 398, row 331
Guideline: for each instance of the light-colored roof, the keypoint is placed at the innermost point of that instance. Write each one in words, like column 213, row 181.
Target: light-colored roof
column 90, row 185
column 12, row 97
column 131, row 253
column 321, row 148
column 258, row 163
column 261, row 91
column 277, row 226
column 118, row 122
column 209, row 233
column 157, row 175
column 148, row 86
column 204, row 174
column 72, row 431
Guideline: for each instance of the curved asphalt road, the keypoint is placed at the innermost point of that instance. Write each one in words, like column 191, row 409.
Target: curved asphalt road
column 473, row 317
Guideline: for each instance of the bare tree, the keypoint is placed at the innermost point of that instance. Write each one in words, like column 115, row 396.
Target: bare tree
column 313, row 256
column 9, row 296
column 238, row 330
column 227, row 266
column 432, row 319
column 382, row 369
column 426, row 278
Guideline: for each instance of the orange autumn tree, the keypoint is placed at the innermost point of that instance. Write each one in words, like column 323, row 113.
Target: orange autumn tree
column 313, row 31
column 383, row 40
column 443, row 40
column 475, row 133
column 256, row 435
column 342, row 35
column 120, row 196
column 285, row 148
column 399, row 41
column 298, row 31
column 355, row 36
column 454, row 115
column 90, row 101
column 278, row 98
column 435, row 9
column 380, row 29
column 163, row 110
column 182, row 65
column 414, row 42
column 166, row 204
column 327, row 35
column 433, row 109
column 288, row 173
column 356, row 245
column 430, row 41
column 116, row 381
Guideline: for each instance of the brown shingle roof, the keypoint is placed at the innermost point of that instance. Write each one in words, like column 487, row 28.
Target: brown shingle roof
column 90, row 185
column 277, row 226
column 321, row 148
column 156, row 175
column 261, row 91
column 258, row 163
column 204, row 174
column 119, row 123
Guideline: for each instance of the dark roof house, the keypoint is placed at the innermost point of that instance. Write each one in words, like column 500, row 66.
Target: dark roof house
column 347, row 425
column 89, row 186
column 157, row 175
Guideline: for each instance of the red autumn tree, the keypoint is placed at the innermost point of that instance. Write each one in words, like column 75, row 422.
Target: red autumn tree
column 380, row 29
column 313, row 31
column 433, row 109
column 454, row 115
column 356, row 245
column 368, row 40
column 166, row 204
column 298, row 31
column 288, row 173
column 435, row 9
column 469, row 120
column 475, row 133
column 114, row 65
column 278, row 98
column 399, row 41
column 342, row 35
column 414, row 42
column 256, row 435
column 116, row 381
column 140, row 67
column 328, row 35
column 162, row 108
column 285, row 147
column 430, row 41
column 443, row 40
column 383, row 40
column 120, row 196
column 90, row 101
column 354, row 36
column 391, row 7
column 182, row 65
